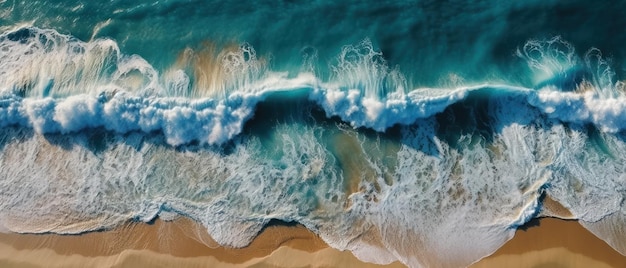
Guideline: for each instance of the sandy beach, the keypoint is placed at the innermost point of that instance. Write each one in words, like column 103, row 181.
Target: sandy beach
column 554, row 243
column 171, row 244
column 551, row 243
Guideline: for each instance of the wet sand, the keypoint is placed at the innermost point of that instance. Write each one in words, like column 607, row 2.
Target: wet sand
column 171, row 244
column 554, row 243
column 550, row 243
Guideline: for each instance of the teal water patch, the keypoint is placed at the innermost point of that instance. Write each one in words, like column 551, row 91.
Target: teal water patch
column 429, row 40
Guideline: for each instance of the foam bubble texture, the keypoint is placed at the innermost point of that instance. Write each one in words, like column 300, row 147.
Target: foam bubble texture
column 92, row 138
column 432, row 197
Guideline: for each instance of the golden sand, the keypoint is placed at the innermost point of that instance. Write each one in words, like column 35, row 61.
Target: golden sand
column 553, row 243
column 170, row 244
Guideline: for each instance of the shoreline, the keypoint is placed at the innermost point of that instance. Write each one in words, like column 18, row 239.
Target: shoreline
column 553, row 242
column 163, row 244
column 182, row 243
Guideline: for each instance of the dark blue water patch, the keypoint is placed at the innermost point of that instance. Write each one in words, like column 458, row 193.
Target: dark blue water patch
column 11, row 134
column 96, row 140
column 281, row 223
column 597, row 142
column 279, row 107
column 478, row 116
column 99, row 140
column 22, row 35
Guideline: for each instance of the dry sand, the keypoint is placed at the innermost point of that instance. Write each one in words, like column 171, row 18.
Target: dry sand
column 553, row 243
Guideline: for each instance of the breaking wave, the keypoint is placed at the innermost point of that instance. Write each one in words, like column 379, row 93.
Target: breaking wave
column 92, row 137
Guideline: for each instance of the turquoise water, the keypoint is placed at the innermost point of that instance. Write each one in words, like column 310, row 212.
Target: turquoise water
column 427, row 39
column 399, row 131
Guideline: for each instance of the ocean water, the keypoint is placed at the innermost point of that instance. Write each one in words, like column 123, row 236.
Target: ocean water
column 420, row 131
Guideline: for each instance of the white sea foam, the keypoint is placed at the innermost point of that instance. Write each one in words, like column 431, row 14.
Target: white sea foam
column 440, row 196
column 421, row 195
column 101, row 87
column 608, row 114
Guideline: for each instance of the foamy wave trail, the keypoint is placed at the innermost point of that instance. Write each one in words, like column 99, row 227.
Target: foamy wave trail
column 57, row 84
column 92, row 138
